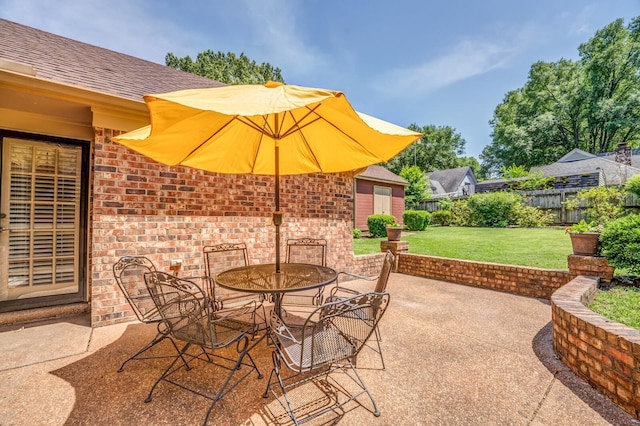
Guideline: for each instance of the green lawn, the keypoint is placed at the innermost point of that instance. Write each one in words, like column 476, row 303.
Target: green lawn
column 538, row 247
column 620, row 303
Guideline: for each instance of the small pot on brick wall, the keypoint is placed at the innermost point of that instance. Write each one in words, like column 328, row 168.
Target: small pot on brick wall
column 394, row 232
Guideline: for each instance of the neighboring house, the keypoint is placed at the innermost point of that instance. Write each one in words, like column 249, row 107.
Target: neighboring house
column 452, row 183
column 72, row 201
column 614, row 167
column 378, row 191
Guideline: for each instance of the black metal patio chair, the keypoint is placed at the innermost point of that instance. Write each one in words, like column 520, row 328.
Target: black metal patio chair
column 189, row 318
column 381, row 280
column 129, row 272
column 305, row 250
column 325, row 345
column 220, row 257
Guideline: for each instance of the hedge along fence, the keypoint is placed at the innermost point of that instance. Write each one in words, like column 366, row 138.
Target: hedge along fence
column 551, row 200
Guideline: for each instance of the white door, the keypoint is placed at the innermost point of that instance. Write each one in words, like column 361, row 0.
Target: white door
column 40, row 202
column 381, row 200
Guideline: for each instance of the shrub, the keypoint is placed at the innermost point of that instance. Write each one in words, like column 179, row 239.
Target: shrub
column 620, row 243
column 530, row 217
column 492, row 208
column 603, row 203
column 416, row 220
column 377, row 224
column 633, row 185
column 356, row 233
column 460, row 214
column 441, row 217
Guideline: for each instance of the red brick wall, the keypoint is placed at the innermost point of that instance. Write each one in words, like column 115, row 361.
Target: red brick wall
column 532, row 282
column 145, row 208
column 604, row 353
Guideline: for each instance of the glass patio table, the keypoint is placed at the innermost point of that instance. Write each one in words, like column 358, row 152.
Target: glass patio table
column 263, row 279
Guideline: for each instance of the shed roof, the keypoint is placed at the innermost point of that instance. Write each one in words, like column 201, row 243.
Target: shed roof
column 380, row 174
column 70, row 62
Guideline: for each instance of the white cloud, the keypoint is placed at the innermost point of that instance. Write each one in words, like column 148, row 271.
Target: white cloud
column 275, row 31
column 467, row 59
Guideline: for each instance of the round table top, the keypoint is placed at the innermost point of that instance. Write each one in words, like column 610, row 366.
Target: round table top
column 263, row 278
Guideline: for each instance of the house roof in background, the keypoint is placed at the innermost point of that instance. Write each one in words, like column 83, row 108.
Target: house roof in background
column 575, row 155
column 70, row 62
column 449, row 179
column 614, row 173
column 380, row 174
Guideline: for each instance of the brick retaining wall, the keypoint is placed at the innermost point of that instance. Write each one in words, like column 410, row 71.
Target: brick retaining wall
column 604, row 353
column 532, row 282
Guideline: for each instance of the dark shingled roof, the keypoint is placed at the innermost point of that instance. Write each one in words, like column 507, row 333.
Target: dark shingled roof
column 448, row 179
column 71, row 62
column 381, row 174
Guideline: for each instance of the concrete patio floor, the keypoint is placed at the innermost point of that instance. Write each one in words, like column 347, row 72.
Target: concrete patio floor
column 455, row 355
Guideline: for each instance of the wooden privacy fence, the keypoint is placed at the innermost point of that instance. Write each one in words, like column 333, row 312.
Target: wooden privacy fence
column 551, row 200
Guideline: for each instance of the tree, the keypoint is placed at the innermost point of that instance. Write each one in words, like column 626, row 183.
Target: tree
column 226, row 67
column 592, row 104
column 417, row 191
column 437, row 149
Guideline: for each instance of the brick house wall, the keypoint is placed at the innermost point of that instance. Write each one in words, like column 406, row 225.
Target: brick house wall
column 140, row 207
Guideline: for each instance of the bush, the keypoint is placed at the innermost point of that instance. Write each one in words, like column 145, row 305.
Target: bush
column 356, row 233
column 633, row 185
column 620, row 243
column 416, row 220
column 603, row 204
column 460, row 214
column 530, row 217
column 441, row 217
column 492, row 208
column 377, row 224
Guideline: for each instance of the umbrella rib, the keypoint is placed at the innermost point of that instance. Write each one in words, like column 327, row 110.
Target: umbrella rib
column 207, row 139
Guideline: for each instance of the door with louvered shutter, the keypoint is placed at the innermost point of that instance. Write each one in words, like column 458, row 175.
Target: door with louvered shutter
column 40, row 218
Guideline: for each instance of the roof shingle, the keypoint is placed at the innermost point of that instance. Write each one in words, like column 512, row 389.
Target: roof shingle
column 74, row 63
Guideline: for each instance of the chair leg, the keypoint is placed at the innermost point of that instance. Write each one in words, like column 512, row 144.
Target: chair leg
column 159, row 338
column 276, row 370
column 243, row 351
column 169, row 370
column 378, row 339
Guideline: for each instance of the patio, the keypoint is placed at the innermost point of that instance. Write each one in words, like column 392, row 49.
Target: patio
column 454, row 355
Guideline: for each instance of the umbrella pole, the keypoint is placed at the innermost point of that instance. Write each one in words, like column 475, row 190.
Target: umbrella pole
column 277, row 215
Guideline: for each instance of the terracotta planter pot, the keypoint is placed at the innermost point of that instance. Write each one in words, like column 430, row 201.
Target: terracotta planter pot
column 394, row 233
column 585, row 243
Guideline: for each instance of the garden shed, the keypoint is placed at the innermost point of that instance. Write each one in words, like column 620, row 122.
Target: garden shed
column 378, row 191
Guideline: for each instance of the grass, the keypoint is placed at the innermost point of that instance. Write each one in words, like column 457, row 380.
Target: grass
column 538, row 247
column 620, row 304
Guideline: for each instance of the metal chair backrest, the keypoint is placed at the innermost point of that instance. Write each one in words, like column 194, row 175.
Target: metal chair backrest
column 335, row 331
column 220, row 257
column 183, row 307
column 307, row 250
column 383, row 278
column 129, row 274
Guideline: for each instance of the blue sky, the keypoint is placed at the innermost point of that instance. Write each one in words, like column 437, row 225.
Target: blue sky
column 447, row 63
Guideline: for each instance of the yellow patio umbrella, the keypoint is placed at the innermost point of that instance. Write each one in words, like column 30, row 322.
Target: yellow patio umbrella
column 271, row 129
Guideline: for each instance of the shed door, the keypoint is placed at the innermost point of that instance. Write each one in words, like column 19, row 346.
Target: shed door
column 40, row 210
column 381, row 200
